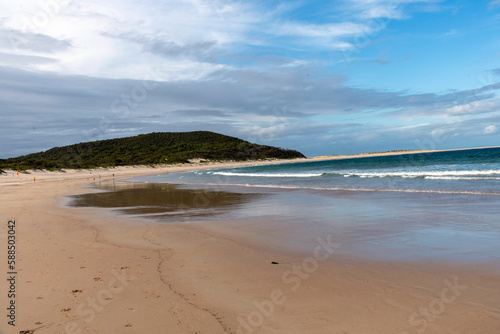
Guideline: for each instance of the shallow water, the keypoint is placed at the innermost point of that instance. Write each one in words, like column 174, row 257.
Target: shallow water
column 163, row 202
column 376, row 225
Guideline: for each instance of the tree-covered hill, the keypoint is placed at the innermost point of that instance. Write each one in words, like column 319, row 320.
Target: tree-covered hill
column 153, row 148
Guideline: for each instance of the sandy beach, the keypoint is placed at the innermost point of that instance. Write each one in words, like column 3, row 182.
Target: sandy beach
column 250, row 167
column 12, row 177
column 80, row 270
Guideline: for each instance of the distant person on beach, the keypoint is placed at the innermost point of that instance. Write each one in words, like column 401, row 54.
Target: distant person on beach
column 33, row 179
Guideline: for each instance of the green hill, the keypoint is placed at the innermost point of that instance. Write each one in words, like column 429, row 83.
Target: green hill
column 153, row 148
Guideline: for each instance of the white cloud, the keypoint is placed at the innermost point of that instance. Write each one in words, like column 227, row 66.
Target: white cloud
column 89, row 28
column 334, row 30
column 476, row 107
column 266, row 95
column 494, row 3
column 120, row 38
column 384, row 9
column 490, row 129
column 388, row 11
column 440, row 132
column 451, row 32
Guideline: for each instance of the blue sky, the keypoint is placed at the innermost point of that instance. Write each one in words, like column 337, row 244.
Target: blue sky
column 321, row 77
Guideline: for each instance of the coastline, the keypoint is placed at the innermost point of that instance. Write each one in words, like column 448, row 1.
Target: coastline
column 82, row 271
column 10, row 177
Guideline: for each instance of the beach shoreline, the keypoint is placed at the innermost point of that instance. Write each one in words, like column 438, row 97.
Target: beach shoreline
column 12, row 177
column 82, row 271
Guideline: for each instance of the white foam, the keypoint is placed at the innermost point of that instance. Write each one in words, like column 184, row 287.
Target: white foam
column 460, row 178
column 384, row 174
column 269, row 174
column 423, row 174
column 428, row 191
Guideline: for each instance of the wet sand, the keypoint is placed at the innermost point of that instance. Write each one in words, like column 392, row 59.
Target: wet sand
column 437, row 227
column 87, row 270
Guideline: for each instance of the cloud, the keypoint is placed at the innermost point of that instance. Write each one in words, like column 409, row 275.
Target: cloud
column 381, row 59
column 200, row 50
column 451, row 32
column 256, row 69
column 121, row 38
column 457, row 103
column 29, row 50
column 385, row 9
column 476, row 107
column 331, row 30
column 277, row 107
column 494, row 4
column 283, row 129
column 490, row 129
column 433, row 135
column 389, row 11
column 26, row 41
column 23, row 60
column 191, row 39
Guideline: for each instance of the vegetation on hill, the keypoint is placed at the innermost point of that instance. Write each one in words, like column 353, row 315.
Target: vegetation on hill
column 148, row 149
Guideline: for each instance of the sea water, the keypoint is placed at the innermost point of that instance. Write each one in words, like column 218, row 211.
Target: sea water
column 475, row 171
column 441, row 206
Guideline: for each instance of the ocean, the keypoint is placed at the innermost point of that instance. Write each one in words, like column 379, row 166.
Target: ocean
column 474, row 171
column 440, row 206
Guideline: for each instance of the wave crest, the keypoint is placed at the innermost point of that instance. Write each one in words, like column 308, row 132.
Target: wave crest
column 269, row 174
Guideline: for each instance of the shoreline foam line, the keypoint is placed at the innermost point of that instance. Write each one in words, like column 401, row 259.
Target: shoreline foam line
column 271, row 186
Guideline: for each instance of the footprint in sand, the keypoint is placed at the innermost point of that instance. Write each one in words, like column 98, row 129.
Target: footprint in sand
column 65, row 311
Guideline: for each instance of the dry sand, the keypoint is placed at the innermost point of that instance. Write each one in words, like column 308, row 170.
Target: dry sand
column 80, row 271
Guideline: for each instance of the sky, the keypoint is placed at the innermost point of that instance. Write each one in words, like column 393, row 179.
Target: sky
column 320, row 77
